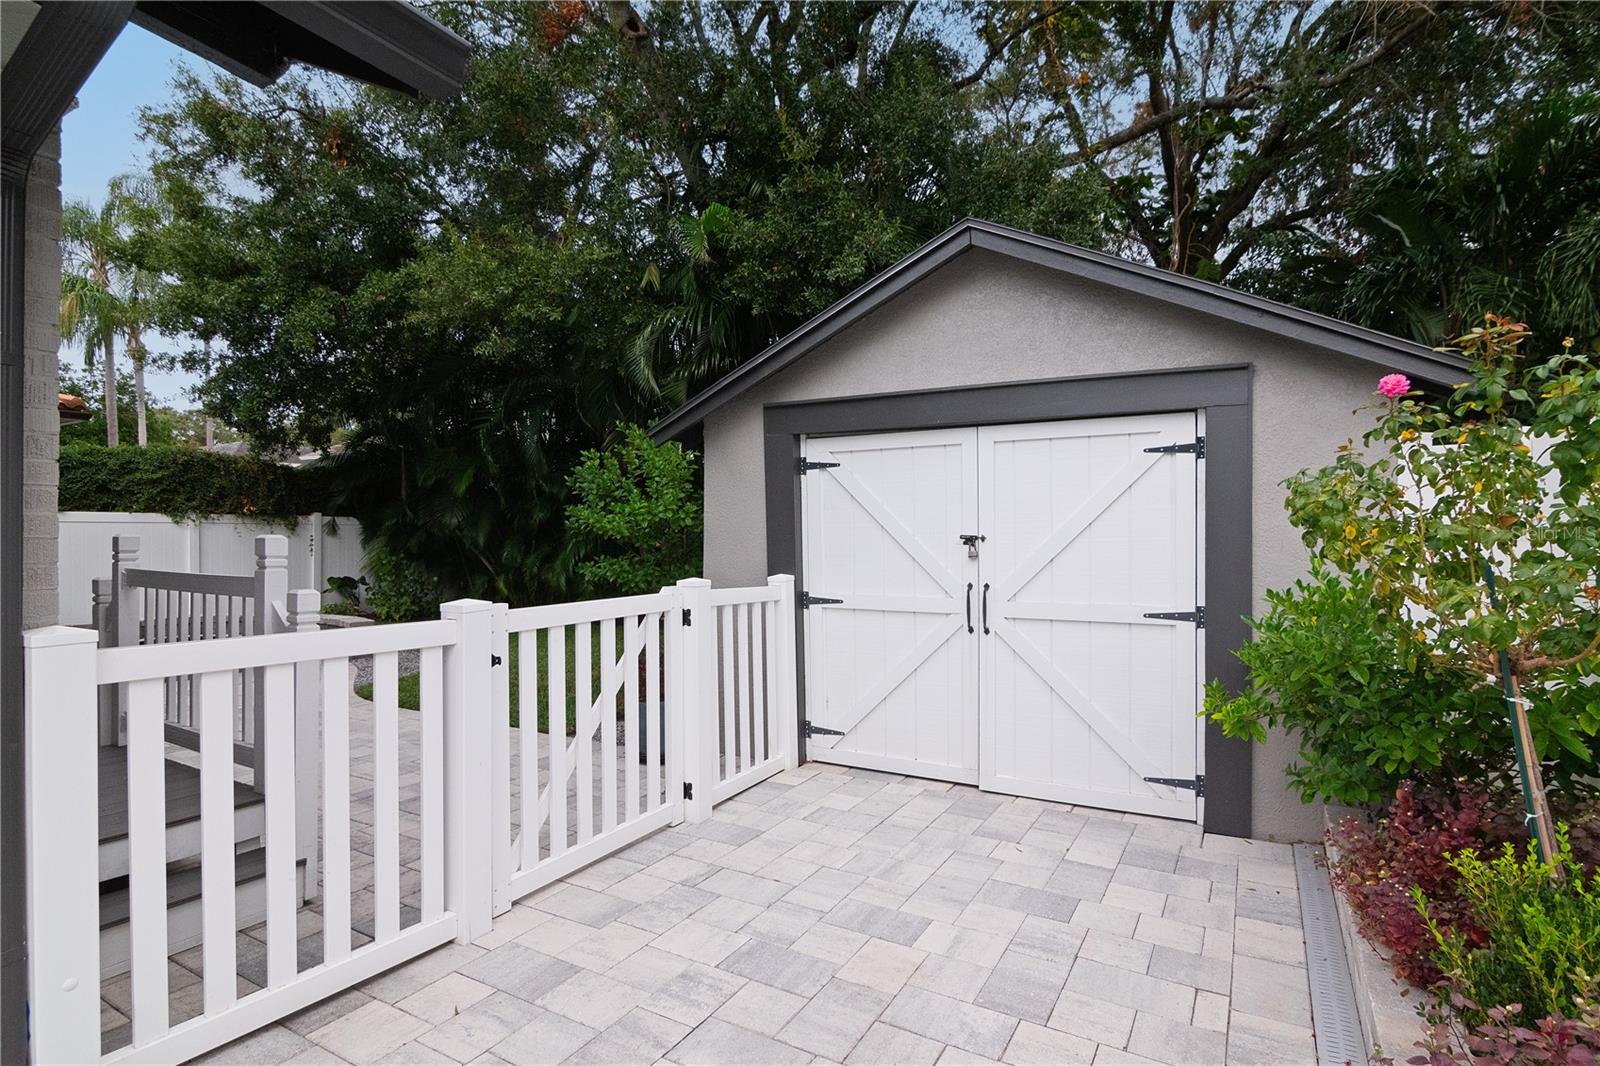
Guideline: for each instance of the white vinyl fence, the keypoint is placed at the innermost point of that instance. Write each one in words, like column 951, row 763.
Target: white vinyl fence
column 320, row 547
column 695, row 701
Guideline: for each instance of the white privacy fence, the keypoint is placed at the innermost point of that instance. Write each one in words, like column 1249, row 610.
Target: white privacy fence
column 320, row 547
column 677, row 700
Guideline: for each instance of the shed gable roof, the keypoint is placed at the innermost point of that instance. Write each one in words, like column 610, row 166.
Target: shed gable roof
column 1202, row 297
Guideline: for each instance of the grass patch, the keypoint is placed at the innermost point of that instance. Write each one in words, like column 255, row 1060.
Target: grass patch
column 410, row 687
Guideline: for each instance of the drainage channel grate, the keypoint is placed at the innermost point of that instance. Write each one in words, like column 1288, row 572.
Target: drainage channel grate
column 1333, row 998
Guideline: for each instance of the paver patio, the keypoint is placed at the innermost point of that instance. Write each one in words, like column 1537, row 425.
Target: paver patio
column 849, row 916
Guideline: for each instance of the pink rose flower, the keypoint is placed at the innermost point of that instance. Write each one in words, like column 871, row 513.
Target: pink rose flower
column 1394, row 385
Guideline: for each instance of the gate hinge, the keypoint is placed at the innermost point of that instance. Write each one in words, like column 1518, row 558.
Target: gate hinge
column 1197, row 783
column 807, row 464
column 686, row 616
column 1197, row 616
column 688, row 790
column 806, row 599
column 814, row 730
column 1197, row 446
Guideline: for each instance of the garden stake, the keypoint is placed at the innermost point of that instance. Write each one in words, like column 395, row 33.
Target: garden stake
column 1537, row 818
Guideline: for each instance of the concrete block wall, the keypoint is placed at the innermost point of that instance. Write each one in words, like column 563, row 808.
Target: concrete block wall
column 41, row 430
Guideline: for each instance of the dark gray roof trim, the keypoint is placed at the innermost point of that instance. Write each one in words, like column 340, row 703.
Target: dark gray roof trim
column 1391, row 353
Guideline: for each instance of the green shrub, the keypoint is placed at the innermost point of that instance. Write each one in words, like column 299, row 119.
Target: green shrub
column 637, row 515
column 397, row 589
column 1540, row 934
column 1369, row 706
column 185, row 483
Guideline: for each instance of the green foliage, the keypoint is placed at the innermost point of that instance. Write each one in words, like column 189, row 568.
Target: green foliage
column 164, row 425
column 398, row 590
column 1367, row 703
column 185, row 483
column 1502, row 476
column 638, row 511
column 1431, row 244
column 1541, row 934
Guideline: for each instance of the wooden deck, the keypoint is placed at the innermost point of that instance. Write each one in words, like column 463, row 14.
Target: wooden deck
column 182, row 788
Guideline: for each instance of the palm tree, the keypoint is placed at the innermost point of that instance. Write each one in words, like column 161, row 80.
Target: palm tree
column 91, row 310
column 104, row 293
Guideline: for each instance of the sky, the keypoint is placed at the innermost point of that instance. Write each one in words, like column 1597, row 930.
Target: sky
column 100, row 140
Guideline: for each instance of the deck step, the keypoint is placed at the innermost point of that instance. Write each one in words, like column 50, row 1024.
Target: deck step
column 184, row 906
column 182, row 792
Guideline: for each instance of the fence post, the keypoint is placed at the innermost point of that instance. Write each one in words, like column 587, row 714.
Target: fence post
column 697, row 670
column 788, row 651
column 102, row 608
column 468, row 752
column 62, row 842
column 125, row 614
column 500, row 767
column 272, row 589
column 314, row 546
column 304, row 614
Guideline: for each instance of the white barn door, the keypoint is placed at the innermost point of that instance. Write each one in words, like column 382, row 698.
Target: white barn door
column 1084, row 695
column 892, row 670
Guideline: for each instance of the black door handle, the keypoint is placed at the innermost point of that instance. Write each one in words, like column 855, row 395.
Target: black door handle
column 986, row 608
column 969, row 607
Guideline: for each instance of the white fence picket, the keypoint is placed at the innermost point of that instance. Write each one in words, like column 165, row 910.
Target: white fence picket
column 702, row 681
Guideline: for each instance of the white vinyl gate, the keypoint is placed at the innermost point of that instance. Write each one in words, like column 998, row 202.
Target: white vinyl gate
column 1000, row 599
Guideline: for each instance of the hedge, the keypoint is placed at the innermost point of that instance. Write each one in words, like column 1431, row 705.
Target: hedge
column 185, row 483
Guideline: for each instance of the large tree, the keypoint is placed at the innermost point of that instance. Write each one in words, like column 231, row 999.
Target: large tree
column 474, row 290
column 1217, row 127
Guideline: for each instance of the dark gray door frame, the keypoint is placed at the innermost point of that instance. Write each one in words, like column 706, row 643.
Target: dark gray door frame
column 1222, row 392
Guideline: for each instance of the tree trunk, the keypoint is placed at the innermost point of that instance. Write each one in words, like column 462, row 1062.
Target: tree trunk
column 111, row 394
column 138, row 397
column 211, row 425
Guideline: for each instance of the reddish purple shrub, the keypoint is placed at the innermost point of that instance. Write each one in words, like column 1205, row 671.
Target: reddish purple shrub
column 1501, row 1040
column 1379, row 864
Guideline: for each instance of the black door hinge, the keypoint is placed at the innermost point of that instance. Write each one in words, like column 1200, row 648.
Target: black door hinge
column 1197, row 783
column 688, row 790
column 494, row 660
column 1197, row 616
column 1197, row 446
column 814, row 730
column 807, row 464
column 686, row 616
column 806, row 599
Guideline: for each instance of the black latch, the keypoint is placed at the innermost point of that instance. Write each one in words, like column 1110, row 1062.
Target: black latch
column 1197, row 446
column 807, row 464
column 813, row 730
column 688, row 790
column 494, row 660
column 1197, row 616
column 686, row 616
column 806, row 599
column 1196, row 783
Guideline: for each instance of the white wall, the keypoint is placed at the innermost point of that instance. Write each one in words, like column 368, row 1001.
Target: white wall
column 320, row 547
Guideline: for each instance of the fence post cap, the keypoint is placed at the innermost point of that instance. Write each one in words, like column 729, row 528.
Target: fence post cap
column 124, row 543
column 304, row 601
column 59, row 637
column 780, row 579
column 271, row 546
column 694, row 583
column 464, row 606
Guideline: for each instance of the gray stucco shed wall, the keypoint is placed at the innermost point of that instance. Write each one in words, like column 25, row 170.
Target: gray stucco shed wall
column 984, row 319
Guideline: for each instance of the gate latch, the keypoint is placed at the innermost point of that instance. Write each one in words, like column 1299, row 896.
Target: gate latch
column 971, row 541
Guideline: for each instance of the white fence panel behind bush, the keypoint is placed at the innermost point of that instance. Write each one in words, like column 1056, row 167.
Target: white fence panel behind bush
column 320, row 547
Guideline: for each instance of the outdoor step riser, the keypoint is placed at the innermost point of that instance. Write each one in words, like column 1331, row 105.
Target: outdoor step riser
column 183, row 841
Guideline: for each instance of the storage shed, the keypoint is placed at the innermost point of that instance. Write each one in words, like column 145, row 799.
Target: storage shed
column 1030, row 492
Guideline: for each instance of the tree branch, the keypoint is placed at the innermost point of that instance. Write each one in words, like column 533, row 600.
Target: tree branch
column 997, row 48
